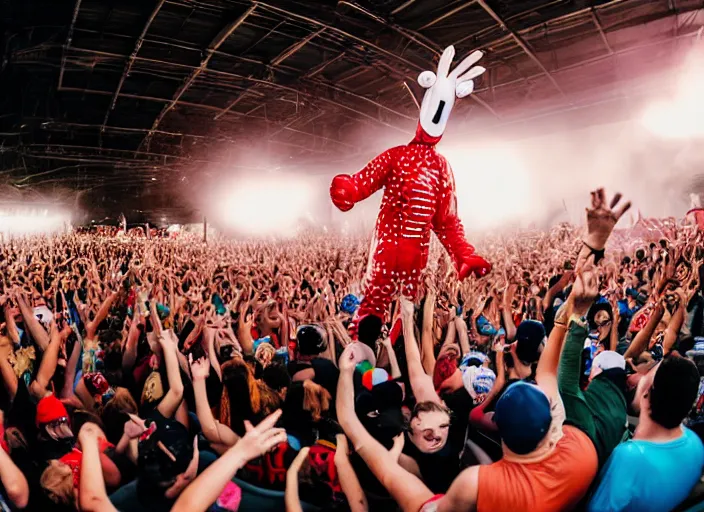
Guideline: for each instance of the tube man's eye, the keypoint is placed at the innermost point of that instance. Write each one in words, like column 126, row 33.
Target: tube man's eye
column 464, row 88
column 426, row 79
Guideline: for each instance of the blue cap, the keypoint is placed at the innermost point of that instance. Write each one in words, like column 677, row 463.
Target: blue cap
column 523, row 417
column 349, row 304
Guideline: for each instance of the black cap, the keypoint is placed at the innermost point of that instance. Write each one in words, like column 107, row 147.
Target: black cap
column 530, row 335
column 310, row 341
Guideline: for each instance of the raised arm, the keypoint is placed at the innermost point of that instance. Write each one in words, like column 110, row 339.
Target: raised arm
column 92, row 326
column 348, row 478
column 93, row 496
column 291, row 498
column 408, row 490
column 421, row 383
column 205, row 489
column 172, row 400
column 13, row 480
column 673, row 329
column 39, row 335
column 214, row 431
column 346, row 190
column 48, row 365
column 640, row 342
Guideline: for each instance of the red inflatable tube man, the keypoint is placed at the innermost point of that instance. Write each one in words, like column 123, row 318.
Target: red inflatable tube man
column 419, row 196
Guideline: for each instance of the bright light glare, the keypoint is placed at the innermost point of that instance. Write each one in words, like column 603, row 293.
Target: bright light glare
column 681, row 116
column 267, row 205
column 16, row 222
column 493, row 185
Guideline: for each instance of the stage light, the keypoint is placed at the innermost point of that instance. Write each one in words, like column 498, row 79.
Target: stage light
column 680, row 116
column 21, row 222
column 267, row 205
column 493, row 185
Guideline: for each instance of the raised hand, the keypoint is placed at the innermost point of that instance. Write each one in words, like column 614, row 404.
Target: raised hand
column 200, row 369
column 260, row 439
column 135, row 427
column 602, row 217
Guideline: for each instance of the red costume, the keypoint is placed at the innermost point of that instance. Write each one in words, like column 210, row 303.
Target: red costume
column 419, row 196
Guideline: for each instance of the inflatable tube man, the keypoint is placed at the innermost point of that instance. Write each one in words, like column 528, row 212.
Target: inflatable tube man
column 419, row 196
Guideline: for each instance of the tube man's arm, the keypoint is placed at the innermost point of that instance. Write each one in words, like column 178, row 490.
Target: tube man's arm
column 448, row 227
column 347, row 190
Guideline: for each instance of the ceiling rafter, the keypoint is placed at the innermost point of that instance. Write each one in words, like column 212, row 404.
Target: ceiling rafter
column 186, row 104
column 520, row 42
column 69, row 37
column 130, row 61
column 212, row 47
column 597, row 23
column 362, row 41
column 268, row 83
column 448, row 14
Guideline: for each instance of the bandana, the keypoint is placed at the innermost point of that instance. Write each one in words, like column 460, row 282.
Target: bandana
column 485, row 328
column 478, row 381
column 73, row 460
column 640, row 321
column 98, row 387
column 444, row 368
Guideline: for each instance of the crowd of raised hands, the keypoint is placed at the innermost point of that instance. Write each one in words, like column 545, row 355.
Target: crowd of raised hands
column 173, row 374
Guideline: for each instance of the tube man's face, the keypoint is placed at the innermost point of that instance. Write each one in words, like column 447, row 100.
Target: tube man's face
column 444, row 87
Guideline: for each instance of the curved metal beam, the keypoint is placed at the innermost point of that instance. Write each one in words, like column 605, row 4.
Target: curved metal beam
column 130, row 61
column 212, row 47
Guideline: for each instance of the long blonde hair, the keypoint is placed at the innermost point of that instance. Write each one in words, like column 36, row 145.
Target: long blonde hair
column 57, row 482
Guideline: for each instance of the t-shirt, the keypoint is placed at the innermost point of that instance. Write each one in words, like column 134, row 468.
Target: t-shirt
column 555, row 483
column 326, row 373
column 646, row 476
column 437, row 469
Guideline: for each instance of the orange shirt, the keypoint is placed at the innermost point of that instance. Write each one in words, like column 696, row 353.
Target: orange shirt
column 555, row 483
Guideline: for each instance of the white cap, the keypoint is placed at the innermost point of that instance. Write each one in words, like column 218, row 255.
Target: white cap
column 609, row 359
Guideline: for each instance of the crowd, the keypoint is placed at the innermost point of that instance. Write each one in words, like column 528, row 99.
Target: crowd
column 170, row 374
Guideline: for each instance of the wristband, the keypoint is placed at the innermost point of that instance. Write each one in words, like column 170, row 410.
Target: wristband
column 598, row 255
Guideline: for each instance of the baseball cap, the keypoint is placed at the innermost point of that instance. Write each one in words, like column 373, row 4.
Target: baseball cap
column 530, row 335
column 523, row 417
column 478, row 380
column 608, row 359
